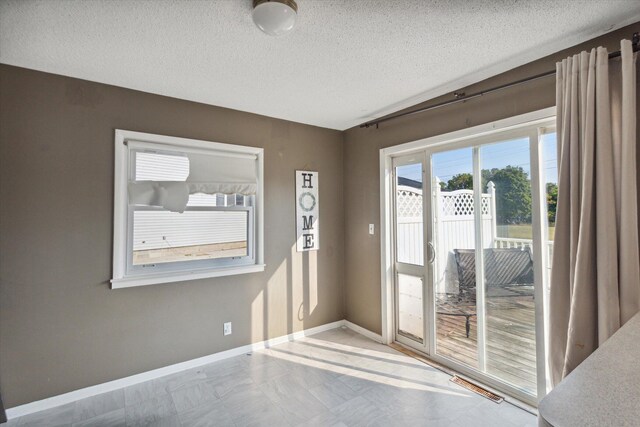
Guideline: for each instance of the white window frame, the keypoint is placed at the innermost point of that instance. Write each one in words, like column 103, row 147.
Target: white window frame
column 124, row 273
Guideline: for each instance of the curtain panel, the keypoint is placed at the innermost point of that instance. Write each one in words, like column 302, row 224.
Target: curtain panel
column 595, row 280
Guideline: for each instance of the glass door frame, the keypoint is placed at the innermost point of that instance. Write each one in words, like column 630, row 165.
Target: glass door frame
column 472, row 137
column 422, row 271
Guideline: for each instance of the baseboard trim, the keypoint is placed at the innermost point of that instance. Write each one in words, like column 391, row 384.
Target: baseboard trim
column 63, row 399
column 362, row 331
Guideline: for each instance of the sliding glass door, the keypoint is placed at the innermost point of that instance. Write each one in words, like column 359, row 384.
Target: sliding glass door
column 474, row 271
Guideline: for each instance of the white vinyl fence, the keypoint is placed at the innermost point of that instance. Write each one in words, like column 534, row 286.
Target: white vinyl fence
column 164, row 229
column 454, row 227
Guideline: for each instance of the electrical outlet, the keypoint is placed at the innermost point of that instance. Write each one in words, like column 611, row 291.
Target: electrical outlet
column 227, row 328
column 372, row 229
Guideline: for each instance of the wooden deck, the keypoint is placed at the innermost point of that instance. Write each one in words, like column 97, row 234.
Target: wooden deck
column 511, row 350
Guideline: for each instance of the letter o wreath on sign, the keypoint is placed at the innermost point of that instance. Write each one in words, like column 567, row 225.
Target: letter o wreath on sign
column 301, row 201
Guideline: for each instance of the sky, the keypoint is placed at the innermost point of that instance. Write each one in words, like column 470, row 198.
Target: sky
column 510, row 153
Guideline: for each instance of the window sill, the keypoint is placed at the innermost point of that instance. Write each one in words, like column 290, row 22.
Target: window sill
column 180, row 276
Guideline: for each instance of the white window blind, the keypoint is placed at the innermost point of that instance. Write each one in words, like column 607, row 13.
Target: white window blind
column 166, row 179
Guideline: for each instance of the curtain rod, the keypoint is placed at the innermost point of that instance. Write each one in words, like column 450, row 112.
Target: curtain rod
column 460, row 96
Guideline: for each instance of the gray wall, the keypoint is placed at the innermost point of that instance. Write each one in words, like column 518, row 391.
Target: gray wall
column 361, row 163
column 61, row 327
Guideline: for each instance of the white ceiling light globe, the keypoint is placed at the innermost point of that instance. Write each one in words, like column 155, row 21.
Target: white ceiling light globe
column 275, row 17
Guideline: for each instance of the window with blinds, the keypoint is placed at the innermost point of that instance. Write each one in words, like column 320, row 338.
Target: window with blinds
column 190, row 206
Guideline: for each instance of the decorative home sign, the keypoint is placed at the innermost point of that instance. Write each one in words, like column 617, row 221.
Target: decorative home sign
column 307, row 210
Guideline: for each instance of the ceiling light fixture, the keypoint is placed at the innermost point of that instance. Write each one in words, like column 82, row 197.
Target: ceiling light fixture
column 275, row 17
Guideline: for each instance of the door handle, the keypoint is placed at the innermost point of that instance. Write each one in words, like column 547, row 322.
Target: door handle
column 432, row 252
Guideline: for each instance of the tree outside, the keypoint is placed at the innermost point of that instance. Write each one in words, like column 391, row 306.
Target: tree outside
column 552, row 202
column 513, row 195
column 461, row 181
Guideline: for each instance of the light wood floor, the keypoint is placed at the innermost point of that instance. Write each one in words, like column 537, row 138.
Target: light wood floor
column 335, row 378
column 511, row 350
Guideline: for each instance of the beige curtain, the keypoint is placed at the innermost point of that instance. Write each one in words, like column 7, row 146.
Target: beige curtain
column 595, row 280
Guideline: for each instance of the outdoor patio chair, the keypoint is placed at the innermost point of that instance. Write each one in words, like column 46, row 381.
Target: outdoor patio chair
column 508, row 273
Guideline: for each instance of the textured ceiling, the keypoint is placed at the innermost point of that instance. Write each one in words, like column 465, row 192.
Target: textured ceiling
column 347, row 61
